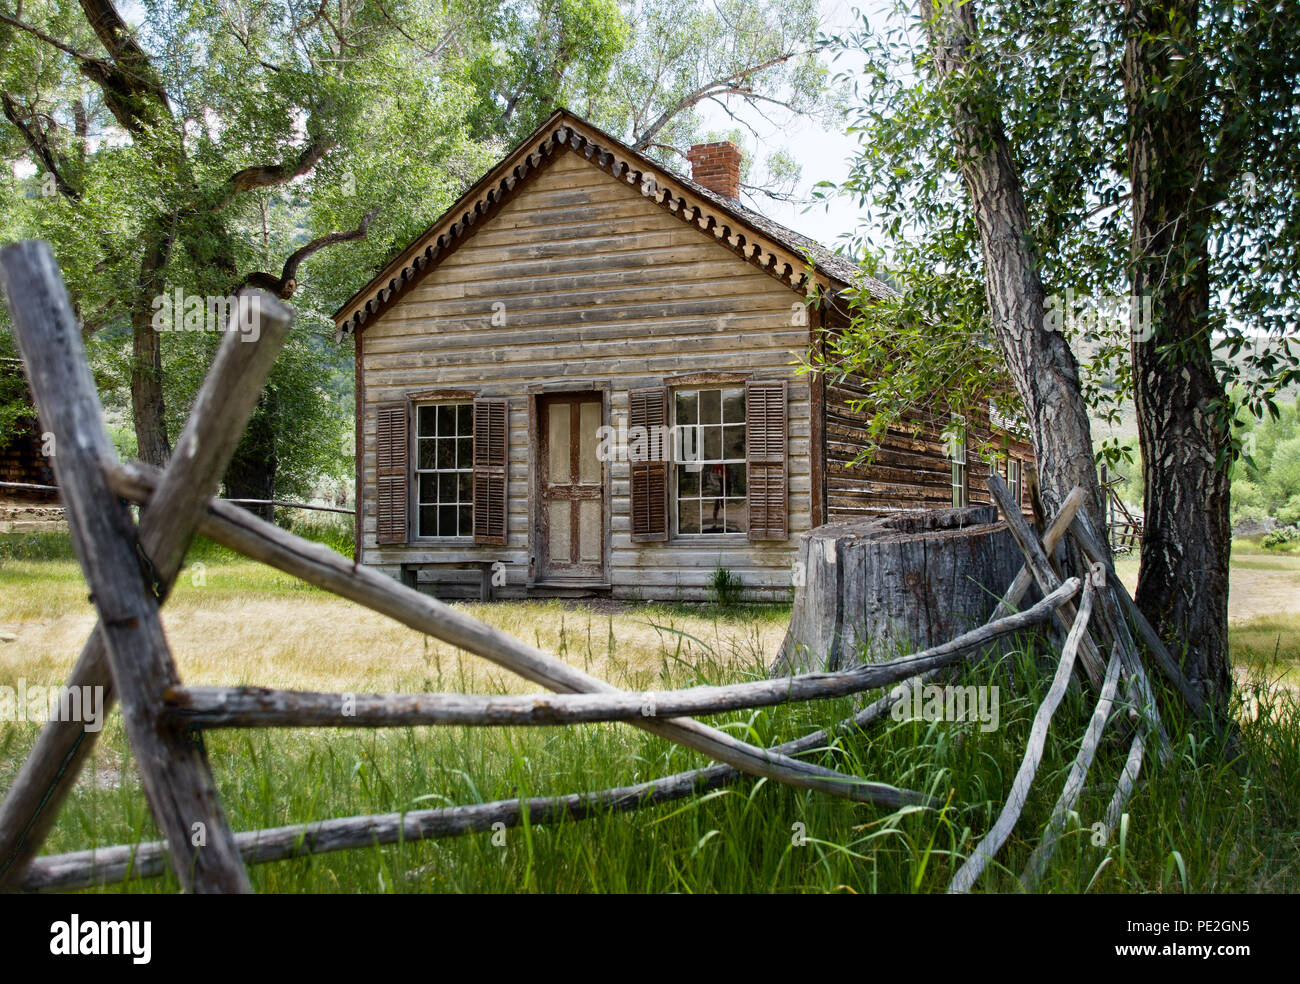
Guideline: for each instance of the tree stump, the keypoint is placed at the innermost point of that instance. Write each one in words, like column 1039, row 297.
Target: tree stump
column 877, row 588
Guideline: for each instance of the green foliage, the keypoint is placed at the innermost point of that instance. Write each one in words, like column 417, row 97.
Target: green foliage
column 383, row 114
column 680, row 56
column 43, row 545
column 725, row 587
column 1267, row 478
column 1282, row 537
column 1247, row 502
column 1128, row 468
column 332, row 529
column 1050, row 73
column 1290, row 511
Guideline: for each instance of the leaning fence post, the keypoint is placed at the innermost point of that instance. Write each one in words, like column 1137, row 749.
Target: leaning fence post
column 177, row 780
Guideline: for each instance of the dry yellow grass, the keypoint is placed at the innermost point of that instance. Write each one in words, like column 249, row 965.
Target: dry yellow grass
column 230, row 631
column 1261, row 583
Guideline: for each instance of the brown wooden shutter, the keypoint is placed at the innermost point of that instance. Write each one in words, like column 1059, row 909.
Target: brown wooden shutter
column 490, row 464
column 765, row 453
column 648, row 409
column 391, row 475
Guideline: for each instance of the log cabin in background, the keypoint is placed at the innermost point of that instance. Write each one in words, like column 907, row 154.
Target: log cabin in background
column 25, row 472
column 580, row 289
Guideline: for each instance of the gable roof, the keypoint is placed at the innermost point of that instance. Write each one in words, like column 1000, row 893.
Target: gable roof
column 791, row 258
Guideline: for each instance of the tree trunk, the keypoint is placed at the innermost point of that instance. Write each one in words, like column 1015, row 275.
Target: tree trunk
column 1181, row 404
column 147, row 407
column 1039, row 360
column 879, row 588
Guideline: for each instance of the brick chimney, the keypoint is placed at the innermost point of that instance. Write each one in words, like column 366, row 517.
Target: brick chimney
column 717, row 167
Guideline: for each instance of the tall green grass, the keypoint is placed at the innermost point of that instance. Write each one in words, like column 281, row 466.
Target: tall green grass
column 1196, row 824
column 332, row 529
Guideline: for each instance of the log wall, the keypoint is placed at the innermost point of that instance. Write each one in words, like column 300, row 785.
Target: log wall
column 600, row 288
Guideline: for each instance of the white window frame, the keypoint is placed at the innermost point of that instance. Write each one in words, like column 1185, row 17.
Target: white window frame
column 957, row 457
column 1015, row 485
column 461, row 468
column 679, row 431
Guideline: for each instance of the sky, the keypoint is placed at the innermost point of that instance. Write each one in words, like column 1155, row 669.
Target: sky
column 823, row 154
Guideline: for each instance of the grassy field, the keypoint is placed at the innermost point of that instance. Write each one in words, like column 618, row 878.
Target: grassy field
column 1195, row 825
column 1263, row 608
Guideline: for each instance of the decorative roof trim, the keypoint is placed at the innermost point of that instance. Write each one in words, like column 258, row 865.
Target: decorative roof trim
column 564, row 132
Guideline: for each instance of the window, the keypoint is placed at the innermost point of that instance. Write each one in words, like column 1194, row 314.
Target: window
column 444, row 469
column 1013, row 479
column 710, row 461
column 957, row 455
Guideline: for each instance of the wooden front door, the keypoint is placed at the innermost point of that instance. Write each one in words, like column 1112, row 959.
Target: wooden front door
column 571, row 509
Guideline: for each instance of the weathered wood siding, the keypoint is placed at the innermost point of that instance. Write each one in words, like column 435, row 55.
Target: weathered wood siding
column 600, row 287
column 909, row 469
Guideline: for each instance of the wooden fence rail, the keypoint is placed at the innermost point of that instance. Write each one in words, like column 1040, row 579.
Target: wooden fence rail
column 278, row 503
column 130, row 571
column 282, row 504
column 81, row 869
column 259, row 707
column 127, row 654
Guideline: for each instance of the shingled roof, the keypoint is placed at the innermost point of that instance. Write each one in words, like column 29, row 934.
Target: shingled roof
column 836, row 265
column 794, row 259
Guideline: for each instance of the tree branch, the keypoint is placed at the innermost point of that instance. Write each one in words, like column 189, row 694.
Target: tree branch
column 267, row 176
column 36, row 32
column 129, row 82
column 284, row 286
column 730, row 85
column 133, row 91
column 38, row 142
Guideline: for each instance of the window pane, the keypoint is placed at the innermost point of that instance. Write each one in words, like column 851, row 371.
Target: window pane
column 465, row 418
column 465, row 453
column 733, row 406
column 712, row 516
column 465, row 483
column 688, row 482
column 558, row 417
column 737, row 516
column 446, row 420
column 735, row 479
column 711, row 406
column 589, row 466
column 424, row 417
column 428, row 488
column 688, row 408
column 711, row 481
column 466, row 520
column 426, row 458
column 733, row 441
column 446, row 452
column 446, row 520
column 689, row 443
column 447, row 487
column 428, row 521
column 561, row 545
column 712, row 443
column 688, row 516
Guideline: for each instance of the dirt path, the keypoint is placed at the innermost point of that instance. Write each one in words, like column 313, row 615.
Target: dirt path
column 1254, row 589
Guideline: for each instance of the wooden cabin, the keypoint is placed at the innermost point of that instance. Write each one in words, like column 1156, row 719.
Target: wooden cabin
column 581, row 380
column 25, row 472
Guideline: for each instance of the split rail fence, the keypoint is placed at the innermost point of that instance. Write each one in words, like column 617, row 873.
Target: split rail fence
column 131, row 567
